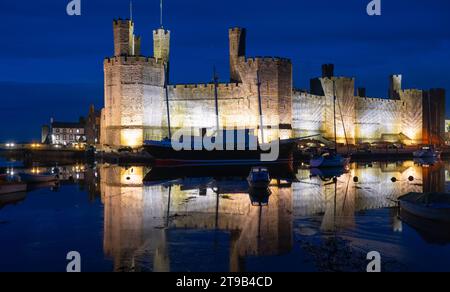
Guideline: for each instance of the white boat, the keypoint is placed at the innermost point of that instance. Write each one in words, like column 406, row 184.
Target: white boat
column 38, row 178
column 432, row 206
column 9, row 185
column 329, row 160
column 259, row 177
column 427, row 152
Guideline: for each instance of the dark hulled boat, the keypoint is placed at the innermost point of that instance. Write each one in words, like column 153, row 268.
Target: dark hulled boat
column 165, row 154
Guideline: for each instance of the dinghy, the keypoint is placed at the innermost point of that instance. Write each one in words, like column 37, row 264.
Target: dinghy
column 259, row 177
column 432, row 206
column 329, row 160
column 38, row 178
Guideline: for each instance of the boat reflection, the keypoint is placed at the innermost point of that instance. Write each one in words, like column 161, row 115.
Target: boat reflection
column 12, row 199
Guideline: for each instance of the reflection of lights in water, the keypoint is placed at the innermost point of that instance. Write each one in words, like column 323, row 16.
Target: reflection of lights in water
column 397, row 224
column 133, row 175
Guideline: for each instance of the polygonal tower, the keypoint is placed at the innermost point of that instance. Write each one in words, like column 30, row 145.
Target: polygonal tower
column 237, row 37
column 395, row 86
column 161, row 45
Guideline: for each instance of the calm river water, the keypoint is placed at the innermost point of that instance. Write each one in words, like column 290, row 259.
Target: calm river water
column 141, row 219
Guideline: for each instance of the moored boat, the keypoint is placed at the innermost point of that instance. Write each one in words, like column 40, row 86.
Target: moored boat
column 9, row 185
column 243, row 154
column 329, row 160
column 427, row 152
column 38, row 178
column 259, row 177
column 432, row 206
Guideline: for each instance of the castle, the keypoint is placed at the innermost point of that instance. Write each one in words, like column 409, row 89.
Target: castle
column 135, row 99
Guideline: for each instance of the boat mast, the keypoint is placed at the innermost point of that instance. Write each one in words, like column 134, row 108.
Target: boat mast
column 166, row 87
column 261, row 122
column 334, row 115
column 216, row 98
column 430, row 137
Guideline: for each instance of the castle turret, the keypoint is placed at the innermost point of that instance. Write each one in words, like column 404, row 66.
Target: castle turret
column 123, row 37
column 161, row 45
column 237, row 38
column 395, row 86
column 327, row 70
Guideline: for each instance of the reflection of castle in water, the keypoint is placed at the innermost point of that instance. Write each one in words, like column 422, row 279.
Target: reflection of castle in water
column 137, row 217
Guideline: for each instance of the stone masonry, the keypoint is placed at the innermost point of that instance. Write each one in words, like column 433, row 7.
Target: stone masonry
column 135, row 106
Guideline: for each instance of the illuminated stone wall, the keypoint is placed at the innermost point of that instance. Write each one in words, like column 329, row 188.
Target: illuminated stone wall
column 135, row 107
column 135, row 99
column 360, row 119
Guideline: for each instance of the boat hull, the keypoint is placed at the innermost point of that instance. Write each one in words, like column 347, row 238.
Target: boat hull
column 32, row 178
column 166, row 156
column 427, row 154
column 408, row 204
column 336, row 162
column 10, row 188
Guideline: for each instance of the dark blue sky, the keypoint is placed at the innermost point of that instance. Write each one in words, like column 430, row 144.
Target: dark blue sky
column 51, row 64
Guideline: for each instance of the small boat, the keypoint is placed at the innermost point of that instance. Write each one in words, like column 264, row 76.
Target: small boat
column 38, row 178
column 329, row 160
column 259, row 177
column 10, row 185
column 432, row 206
column 260, row 197
column 327, row 174
column 427, row 152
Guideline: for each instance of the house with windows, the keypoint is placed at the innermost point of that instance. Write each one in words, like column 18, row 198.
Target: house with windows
column 68, row 133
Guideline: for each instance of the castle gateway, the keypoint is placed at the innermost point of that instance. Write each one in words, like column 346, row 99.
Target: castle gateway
column 135, row 99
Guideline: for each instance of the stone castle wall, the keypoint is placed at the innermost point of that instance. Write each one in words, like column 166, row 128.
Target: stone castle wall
column 358, row 119
column 135, row 99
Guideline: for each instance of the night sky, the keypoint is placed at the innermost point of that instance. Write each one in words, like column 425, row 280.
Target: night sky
column 51, row 63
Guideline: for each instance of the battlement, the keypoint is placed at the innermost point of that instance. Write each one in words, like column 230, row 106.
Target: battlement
column 337, row 78
column 123, row 22
column 265, row 59
column 412, row 91
column 161, row 31
column 236, row 29
column 131, row 60
column 220, row 86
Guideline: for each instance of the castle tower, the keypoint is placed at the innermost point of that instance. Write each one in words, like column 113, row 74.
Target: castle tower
column 123, row 37
column 237, row 37
column 395, row 86
column 327, row 70
column 161, row 45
